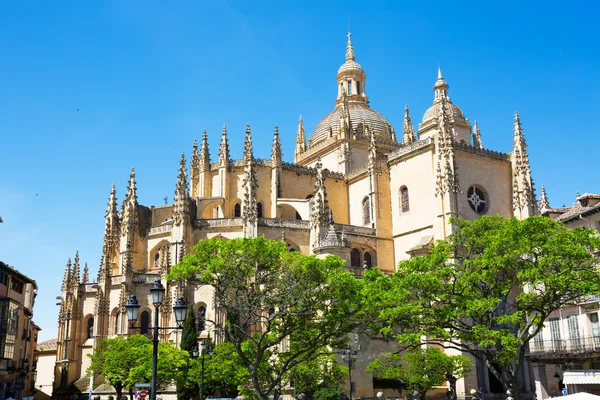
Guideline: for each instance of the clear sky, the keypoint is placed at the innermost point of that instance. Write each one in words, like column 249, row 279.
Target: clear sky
column 89, row 90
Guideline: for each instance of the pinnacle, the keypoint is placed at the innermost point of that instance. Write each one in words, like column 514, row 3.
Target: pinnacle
column 350, row 49
column 204, row 136
column 440, row 73
column 196, row 143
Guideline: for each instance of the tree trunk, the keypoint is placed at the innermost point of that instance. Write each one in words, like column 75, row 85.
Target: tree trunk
column 515, row 389
column 452, row 384
column 423, row 395
column 119, row 391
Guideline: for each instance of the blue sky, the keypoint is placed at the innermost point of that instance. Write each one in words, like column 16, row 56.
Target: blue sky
column 91, row 89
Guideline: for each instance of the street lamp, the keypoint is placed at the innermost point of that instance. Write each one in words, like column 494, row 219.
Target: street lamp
column 195, row 353
column 349, row 355
column 133, row 308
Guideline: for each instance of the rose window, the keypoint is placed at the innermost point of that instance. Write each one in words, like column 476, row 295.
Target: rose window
column 477, row 200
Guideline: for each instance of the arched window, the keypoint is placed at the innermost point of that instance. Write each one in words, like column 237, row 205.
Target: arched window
column 157, row 259
column 117, row 318
column 368, row 260
column 259, row 210
column 366, row 204
column 404, row 204
column 90, row 328
column 237, row 210
column 355, row 258
column 358, row 88
column 145, row 323
column 201, row 318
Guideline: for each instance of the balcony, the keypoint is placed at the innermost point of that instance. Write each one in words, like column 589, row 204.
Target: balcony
column 580, row 348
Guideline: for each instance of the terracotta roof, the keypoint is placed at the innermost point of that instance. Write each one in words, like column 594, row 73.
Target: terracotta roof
column 47, row 345
column 576, row 211
column 589, row 196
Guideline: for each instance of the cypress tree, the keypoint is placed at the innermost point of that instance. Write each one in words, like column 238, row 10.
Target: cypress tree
column 188, row 342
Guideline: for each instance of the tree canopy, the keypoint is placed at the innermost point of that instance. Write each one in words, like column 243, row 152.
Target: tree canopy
column 125, row 362
column 421, row 369
column 277, row 305
column 488, row 289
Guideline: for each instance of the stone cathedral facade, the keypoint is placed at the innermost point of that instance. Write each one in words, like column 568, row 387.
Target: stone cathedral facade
column 356, row 189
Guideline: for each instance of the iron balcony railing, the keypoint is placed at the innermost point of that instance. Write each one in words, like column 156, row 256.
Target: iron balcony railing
column 572, row 346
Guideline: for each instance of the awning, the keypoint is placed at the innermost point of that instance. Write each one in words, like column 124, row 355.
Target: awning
column 588, row 376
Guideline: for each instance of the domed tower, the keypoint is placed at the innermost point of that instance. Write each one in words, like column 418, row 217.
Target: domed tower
column 341, row 138
column 461, row 130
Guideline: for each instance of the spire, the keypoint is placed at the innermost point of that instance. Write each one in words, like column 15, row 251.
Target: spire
column 519, row 141
column 204, row 162
column 523, row 198
column 476, row 136
column 195, row 162
column 300, row 139
column 350, row 49
column 181, row 210
column 67, row 278
column 447, row 178
column 440, row 88
column 111, row 224
column 224, row 149
column 248, row 155
column 249, row 205
column 276, row 150
column 75, row 275
column 544, row 203
column 409, row 132
column 129, row 212
column 86, row 274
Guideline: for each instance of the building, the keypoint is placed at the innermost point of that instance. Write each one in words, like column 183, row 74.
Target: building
column 355, row 190
column 566, row 353
column 46, row 359
column 18, row 333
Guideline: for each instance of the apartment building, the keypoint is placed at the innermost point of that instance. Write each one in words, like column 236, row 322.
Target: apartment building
column 18, row 334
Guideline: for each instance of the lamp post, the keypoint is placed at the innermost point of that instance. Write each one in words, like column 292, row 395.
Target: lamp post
column 180, row 309
column 211, row 351
column 349, row 355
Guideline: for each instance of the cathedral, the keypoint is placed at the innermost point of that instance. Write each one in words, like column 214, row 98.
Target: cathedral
column 356, row 189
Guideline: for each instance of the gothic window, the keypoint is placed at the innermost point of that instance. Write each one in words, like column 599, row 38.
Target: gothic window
column 358, row 88
column 117, row 318
column 237, row 210
column 156, row 259
column 90, row 328
column 349, row 88
column 368, row 260
column 478, row 199
column 259, row 210
column 355, row 258
column 145, row 323
column 201, row 318
column 404, row 204
column 366, row 204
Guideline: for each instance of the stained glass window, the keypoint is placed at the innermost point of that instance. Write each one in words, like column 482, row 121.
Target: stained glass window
column 405, row 207
column 366, row 211
column 477, row 199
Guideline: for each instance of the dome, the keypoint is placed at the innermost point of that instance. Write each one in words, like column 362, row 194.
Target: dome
column 350, row 65
column 454, row 112
column 359, row 112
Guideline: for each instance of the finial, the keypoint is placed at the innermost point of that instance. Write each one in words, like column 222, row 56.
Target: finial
column 577, row 195
column 476, row 135
column 544, row 203
column 440, row 72
column 350, row 49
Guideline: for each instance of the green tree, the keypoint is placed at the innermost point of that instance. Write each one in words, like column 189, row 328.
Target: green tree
column 115, row 358
column 187, row 388
column 279, row 306
column 321, row 373
column 421, row 369
column 125, row 362
column 224, row 372
column 488, row 289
